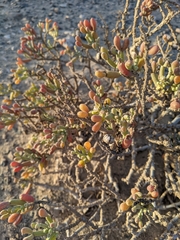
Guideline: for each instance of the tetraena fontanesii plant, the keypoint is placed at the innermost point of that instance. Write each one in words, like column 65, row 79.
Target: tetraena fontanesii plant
column 92, row 103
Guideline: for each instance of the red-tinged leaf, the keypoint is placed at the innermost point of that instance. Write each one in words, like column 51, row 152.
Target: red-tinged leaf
column 27, row 198
column 15, row 164
column 17, row 221
column 12, row 218
column 4, row 205
column 18, row 169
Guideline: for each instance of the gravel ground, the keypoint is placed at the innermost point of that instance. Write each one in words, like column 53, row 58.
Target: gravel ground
column 15, row 13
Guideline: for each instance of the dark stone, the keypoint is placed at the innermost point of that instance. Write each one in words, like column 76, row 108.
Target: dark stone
column 4, row 163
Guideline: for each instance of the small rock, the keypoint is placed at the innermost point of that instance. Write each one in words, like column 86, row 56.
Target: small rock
column 177, row 30
column 63, row 5
column 4, row 163
column 56, row 10
column 7, row 36
column 81, row 16
column 178, row 38
column 70, row 41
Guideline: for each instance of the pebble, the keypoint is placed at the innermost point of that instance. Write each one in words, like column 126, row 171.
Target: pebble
column 63, row 5
column 56, row 10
